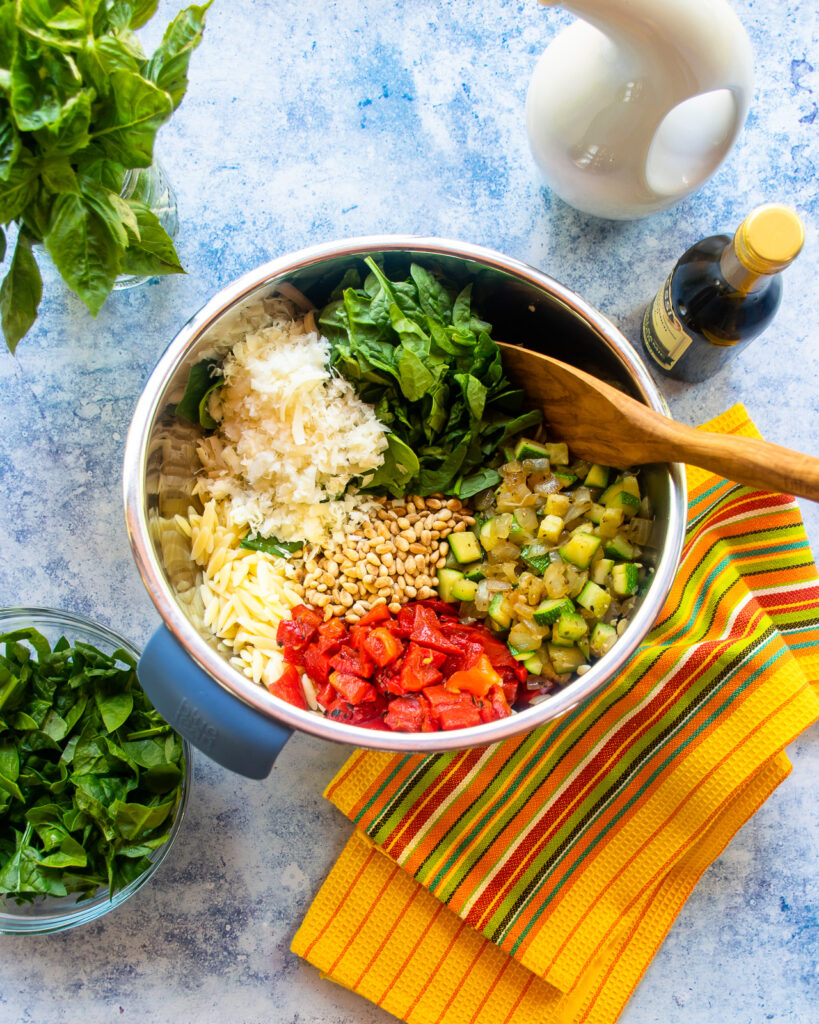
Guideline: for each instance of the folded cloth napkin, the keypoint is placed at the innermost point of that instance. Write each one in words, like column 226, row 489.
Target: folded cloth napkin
column 532, row 881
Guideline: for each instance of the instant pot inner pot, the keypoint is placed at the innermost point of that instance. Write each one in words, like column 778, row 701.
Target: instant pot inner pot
column 519, row 311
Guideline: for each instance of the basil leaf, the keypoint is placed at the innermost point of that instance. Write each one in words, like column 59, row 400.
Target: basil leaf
column 42, row 81
column 131, row 13
column 168, row 67
column 20, row 293
column 59, row 176
column 69, row 132
column 151, row 251
column 271, row 545
column 9, row 141
column 18, row 188
column 83, row 250
column 131, row 117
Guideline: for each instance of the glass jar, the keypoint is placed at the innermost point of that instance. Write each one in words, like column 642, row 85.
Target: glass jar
column 150, row 186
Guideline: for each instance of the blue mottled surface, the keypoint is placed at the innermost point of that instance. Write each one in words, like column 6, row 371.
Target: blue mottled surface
column 311, row 121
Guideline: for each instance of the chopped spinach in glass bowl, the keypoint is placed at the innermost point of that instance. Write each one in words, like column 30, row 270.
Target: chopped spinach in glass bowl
column 93, row 782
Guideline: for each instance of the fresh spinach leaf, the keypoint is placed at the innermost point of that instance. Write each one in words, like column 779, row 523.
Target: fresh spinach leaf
column 420, row 355
column 201, row 383
column 82, row 803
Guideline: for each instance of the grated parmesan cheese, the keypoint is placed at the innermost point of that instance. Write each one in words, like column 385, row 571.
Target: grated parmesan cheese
column 291, row 437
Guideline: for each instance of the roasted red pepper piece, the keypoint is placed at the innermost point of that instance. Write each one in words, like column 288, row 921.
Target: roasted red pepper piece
column 382, row 646
column 410, row 714
column 353, row 688
column 288, row 687
column 426, row 630
column 295, row 633
column 357, row 714
column 441, row 608
column 316, row 664
column 326, row 695
column 404, row 621
column 453, row 710
column 479, row 679
column 494, row 705
column 356, row 663
column 388, row 679
column 375, row 615
column 332, row 635
column 420, row 667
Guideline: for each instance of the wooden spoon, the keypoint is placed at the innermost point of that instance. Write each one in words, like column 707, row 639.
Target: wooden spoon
column 602, row 424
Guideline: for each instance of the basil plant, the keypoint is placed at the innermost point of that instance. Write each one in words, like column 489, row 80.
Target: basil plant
column 80, row 105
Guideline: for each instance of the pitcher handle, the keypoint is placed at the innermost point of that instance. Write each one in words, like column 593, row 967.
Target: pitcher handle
column 219, row 724
column 693, row 139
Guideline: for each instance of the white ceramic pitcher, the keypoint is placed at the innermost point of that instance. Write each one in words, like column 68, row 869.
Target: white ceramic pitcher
column 635, row 106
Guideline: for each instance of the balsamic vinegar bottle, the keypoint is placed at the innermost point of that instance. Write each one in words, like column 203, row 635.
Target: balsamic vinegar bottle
column 721, row 294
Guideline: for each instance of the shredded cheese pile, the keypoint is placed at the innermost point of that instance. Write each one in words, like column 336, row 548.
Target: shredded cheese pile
column 291, row 437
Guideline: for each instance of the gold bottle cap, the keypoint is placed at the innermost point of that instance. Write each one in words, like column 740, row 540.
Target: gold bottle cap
column 769, row 239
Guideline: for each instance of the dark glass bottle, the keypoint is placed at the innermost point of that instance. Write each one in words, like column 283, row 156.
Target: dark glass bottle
column 721, row 294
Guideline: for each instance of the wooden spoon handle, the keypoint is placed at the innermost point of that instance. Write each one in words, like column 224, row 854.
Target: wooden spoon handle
column 747, row 460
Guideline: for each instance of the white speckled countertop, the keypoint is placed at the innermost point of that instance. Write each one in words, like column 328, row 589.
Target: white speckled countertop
column 311, row 121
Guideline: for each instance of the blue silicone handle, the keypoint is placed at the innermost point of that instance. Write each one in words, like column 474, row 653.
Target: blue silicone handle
column 213, row 720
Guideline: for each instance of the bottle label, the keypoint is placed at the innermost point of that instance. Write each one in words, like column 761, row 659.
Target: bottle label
column 664, row 336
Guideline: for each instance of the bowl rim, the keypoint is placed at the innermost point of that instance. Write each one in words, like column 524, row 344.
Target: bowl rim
column 73, row 913
column 256, row 696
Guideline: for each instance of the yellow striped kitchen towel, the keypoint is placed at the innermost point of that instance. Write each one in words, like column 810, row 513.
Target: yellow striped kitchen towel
column 532, row 881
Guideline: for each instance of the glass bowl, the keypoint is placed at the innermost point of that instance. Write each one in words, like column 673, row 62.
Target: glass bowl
column 55, row 914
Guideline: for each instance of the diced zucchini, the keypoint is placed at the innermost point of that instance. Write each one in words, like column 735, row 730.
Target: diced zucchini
column 583, row 528
column 474, row 572
column 570, row 626
column 566, row 659
column 447, row 578
column 517, row 653
column 551, row 609
column 524, row 525
column 625, row 502
column 624, row 579
column 557, row 453
column 628, row 483
column 585, row 647
column 500, row 611
column 465, row 547
column 595, row 513
column 594, row 599
column 597, row 476
column 618, row 547
column 463, row 589
column 610, row 521
column 526, row 449
column 550, row 529
column 557, row 505
column 600, row 570
column 565, row 479
column 603, row 638
column 536, row 558
column 580, row 549
column 534, row 663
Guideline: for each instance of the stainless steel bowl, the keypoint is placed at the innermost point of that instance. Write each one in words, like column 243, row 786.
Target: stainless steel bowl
column 186, row 675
